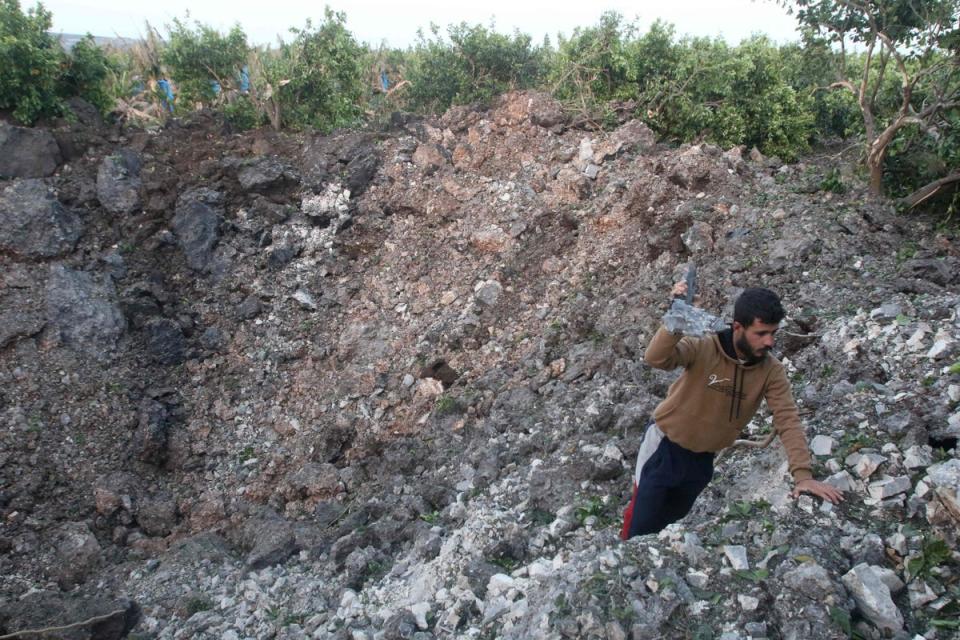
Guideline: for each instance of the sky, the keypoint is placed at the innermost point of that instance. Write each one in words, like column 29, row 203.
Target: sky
column 396, row 23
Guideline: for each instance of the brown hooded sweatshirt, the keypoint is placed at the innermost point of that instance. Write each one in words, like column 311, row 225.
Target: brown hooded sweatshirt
column 716, row 396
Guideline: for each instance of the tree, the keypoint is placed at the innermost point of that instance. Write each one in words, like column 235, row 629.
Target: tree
column 30, row 63
column 917, row 40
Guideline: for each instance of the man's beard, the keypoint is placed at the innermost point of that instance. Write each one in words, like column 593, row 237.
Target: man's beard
column 750, row 356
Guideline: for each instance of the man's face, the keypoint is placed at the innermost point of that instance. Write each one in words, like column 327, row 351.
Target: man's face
column 753, row 343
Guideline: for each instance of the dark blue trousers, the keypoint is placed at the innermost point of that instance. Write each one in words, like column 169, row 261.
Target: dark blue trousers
column 669, row 484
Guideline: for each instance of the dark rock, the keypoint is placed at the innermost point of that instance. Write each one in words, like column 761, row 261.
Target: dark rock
column 115, row 617
column 157, row 515
column 114, row 492
column 281, row 255
column 605, row 468
column 268, row 539
column 939, row 272
column 153, row 432
column 84, row 311
column 86, row 114
column 250, row 308
column 265, row 174
column 212, row 339
column 27, row 153
column 165, row 341
column 34, row 224
column 400, row 626
column 21, row 310
column 203, row 547
column 119, row 183
column 477, row 573
column 197, row 225
column 77, row 554
column 327, row 513
column 361, row 169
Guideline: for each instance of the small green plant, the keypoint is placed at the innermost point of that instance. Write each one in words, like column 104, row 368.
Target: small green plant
column 841, row 618
column 430, row 518
column 447, row 405
column 196, row 604
column 541, row 517
column 247, row 453
column 506, row 563
column 833, row 182
column 954, row 368
column 934, row 552
column 594, row 507
column 742, row 509
column 754, row 575
column 906, row 252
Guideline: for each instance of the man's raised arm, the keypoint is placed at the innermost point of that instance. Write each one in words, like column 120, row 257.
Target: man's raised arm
column 668, row 350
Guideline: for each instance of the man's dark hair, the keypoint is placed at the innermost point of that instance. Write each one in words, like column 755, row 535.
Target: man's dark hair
column 758, row 304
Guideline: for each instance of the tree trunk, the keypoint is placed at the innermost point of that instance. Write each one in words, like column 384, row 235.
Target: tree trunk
column 876, row 176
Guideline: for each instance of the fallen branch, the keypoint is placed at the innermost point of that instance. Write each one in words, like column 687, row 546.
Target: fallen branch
column 924, row 193
column 67, row 627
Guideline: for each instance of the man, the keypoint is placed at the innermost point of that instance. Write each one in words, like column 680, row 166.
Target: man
column 725, row 378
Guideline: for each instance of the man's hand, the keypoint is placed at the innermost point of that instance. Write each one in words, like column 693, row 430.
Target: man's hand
column 821, row 489
column 679, row 290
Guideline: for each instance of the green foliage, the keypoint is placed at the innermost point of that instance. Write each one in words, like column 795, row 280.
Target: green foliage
column 472, row 64
column 242, row 113
column 595, row 64
column 934, row 553
column 86, row 73
column 753, row 575
column 30, row 63
column 316, row 80
column 841, row 618
column 833, row 182
column 198, row 56
column 694, row 88
column 743, row 509
column 447, row 405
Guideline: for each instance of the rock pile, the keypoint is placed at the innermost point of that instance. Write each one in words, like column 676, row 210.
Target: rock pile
column 384, row 385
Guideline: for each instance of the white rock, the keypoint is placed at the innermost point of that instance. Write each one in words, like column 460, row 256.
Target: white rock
column 944, row 480
column 873, row 597
column 920, row 594
column 613, row 452
column 748, row 603
column 888, row 487
column 499, row 583
column 918, row 456
column 541, row 570
column 697, row 579
column 822, row 445
column 867, row 464
column 915, row 342
column 842, row 480
column 737, row 555
column 420, row 611
column 953, row 392
column 941, row 345
column 305, row 299
column 898, row 542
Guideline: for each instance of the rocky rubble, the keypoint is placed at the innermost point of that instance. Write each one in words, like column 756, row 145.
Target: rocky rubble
column 382, row 385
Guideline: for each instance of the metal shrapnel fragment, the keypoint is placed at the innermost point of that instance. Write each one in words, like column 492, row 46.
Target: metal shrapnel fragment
column 691, row 321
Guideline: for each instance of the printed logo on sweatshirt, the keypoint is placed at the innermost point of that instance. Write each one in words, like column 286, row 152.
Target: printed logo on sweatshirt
column 724, row 386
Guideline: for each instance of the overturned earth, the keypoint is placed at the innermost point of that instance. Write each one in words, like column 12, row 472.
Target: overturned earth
column 388, row 384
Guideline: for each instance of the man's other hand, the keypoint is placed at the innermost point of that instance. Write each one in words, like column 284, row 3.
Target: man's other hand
column 821, row 489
